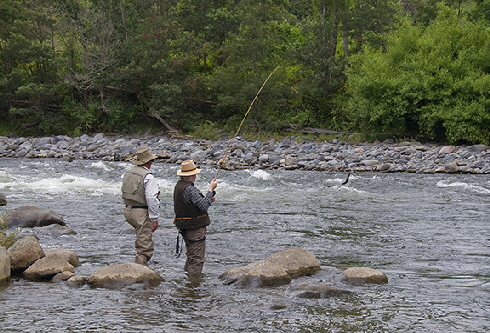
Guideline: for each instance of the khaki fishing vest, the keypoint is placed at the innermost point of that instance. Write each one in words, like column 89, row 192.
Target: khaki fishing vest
column 133, row 189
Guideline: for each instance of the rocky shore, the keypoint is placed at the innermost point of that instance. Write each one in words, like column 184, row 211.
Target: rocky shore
column 237, row 153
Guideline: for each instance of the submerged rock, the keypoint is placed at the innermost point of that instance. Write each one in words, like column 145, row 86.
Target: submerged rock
column 317, row 291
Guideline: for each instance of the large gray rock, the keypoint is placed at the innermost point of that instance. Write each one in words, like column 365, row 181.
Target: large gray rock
column 24, row 252
column 31, row 216
column 4, row 265
column 121, row 275
column 65, row 254
column 363, row 275
column 296, row 261
column 46, row 268
column 277, row 269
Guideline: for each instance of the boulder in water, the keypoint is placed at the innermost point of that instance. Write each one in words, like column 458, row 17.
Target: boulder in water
column 277, row 269
column 46, row 268
column 31, row 216
column 122, row 275
column 24, row 252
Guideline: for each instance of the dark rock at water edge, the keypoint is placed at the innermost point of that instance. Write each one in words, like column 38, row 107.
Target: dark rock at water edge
column 31, row 216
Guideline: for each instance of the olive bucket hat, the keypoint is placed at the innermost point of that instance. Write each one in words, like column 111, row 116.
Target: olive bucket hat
column 143, row 156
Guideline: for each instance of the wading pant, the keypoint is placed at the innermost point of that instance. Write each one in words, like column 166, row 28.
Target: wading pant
column 195, row 243
column 139, row 219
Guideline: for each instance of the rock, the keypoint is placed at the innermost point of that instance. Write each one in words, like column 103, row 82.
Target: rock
column 277, row 269
column 370, row 163
column 65, row 254
column 55, row 230
column 447, row 150
column 4, row 265
column 296, row 261
column 46, row 268
column 384, row 167
column 257, row 274
column 440, row 169
column 121, row 275
column 76, row 281
column 3, row 199
column 31, row 216
column 451, row 167
column 317, row 291
column 478, row 148
column 363, row 275
column 288, row 154
column 63, row 276
column 24, row 252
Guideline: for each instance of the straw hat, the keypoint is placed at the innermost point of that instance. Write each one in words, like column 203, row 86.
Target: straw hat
column 188, row 169
column 143, row 156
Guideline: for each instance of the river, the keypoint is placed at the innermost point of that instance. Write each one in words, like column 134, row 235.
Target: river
column 428, row 233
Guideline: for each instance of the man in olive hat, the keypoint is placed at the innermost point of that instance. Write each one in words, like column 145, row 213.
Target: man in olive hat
column 140, row 193
column 191, row 215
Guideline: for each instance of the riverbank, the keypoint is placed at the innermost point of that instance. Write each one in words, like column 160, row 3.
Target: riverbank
column 332, row 156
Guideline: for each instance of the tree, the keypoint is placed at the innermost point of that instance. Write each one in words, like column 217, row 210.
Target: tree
column 433, row 80
column 267, row 37
column 30, row 90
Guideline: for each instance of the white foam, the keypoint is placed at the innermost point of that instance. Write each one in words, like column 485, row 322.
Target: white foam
column 467, row 186
column 68, row 184
column 100, row 165
column 260, row 174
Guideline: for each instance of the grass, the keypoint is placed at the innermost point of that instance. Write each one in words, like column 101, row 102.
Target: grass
column 6, row 239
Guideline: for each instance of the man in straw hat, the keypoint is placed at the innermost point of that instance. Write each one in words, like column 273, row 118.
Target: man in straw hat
column 191, row 215
column 140, row 193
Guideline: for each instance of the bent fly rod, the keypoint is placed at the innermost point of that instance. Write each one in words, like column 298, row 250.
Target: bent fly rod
column 241, row 123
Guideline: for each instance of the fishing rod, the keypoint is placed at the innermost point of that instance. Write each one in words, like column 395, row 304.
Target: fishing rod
column 241, row 123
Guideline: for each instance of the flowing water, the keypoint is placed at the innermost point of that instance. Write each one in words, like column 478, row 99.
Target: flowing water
column 428, row 233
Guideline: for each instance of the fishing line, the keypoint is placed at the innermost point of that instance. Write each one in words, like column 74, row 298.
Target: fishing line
column 241, row 123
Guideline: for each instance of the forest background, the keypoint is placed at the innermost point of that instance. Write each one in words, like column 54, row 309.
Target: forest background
column 414, row 69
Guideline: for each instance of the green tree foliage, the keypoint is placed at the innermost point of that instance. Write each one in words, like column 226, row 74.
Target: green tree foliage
column 433, row 81
column 267, row 38
column 30, row 89
column 78, row 66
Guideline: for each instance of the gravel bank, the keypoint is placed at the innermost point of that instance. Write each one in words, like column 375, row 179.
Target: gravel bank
column 334, row 155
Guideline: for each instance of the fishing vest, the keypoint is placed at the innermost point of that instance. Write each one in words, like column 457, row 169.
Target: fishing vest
column 187, row 216
column 133, row 188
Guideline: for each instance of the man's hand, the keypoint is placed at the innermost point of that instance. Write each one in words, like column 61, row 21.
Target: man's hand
column 155, row 226
column 213, row 184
